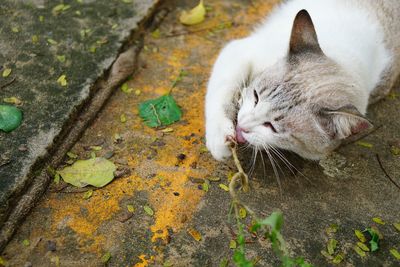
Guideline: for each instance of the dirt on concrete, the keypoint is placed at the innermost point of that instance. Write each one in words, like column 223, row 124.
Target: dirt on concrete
column 191, row 226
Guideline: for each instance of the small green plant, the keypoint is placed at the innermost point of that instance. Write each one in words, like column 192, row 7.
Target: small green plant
column 270, row 226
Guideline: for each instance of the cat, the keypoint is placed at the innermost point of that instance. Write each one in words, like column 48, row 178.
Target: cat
column 303, row 79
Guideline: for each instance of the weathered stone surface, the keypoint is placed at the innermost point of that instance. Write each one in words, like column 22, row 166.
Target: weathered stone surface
column 40, row 41
column 348, row 189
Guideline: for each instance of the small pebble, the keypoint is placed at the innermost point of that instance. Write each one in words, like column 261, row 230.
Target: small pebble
column 51, row 245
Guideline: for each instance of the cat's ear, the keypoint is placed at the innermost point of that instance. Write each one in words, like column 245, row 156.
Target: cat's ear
column 344, row 123
column 304, row 37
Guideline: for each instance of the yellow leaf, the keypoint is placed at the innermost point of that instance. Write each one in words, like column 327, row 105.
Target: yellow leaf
column 224, row 187
column 232, row 244
column 130, row 208
column 360, row 236
column 194, row 16
column 242, row 213
column 195, row 234
column 62, row 80
column 378, row 220
column 12, row 100
column 6, row 72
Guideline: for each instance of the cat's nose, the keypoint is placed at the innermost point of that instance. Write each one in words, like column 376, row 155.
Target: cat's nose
column 239, row 135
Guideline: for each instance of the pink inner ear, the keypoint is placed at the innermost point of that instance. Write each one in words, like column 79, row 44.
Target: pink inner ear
column 359, row 127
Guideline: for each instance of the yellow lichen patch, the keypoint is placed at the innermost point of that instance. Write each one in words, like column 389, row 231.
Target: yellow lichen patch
column 144, row 262
column 173, row 211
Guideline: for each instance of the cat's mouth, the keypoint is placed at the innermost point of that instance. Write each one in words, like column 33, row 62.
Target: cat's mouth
column 239, row 135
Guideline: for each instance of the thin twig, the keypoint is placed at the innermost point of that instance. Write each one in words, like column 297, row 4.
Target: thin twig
column 385, row 172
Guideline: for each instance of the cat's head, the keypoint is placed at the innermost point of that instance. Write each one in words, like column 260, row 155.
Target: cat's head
column 305, row 103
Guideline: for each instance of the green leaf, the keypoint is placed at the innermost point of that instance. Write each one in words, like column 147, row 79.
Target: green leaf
column 10, row 118
column 96, row 171
column 161, row 111
column 26, row 242
column 106, row 257
column 88, row 194
column 275, row 221
column 338, row 258
column 148, row 210
column 374, row 242
column 331, row 246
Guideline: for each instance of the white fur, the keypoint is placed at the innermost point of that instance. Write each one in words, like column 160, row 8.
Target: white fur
column 338, row 24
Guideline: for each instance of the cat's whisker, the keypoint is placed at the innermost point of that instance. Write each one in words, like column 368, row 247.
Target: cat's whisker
column 283, row 158
column 271, row 159
column 263, row 163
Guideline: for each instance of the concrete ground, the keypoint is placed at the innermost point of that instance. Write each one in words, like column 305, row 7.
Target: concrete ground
column 41, row 42
column 164, row 170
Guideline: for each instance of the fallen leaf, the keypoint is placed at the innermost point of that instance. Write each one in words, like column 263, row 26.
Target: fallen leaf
column 331, row 246
column 12, row 100
column 156, row 34
column 148, row 210
column 326, row 255
column 195, row 234
column 205, row 186
column 194, row 16
column 360, row 236
column 242, row 213
column 72, row 155
column 167, row 130
column 395, row 253
column 10, row 118
column 338, row 258
column 96, row 148
column 96, row 171
column 332, row 229
column 61, row 58
column 15, row 29
column 6, row 72
column 397, row 226
column 378, row 220
column 106, row 257
column 375, row 237
column 35, row 39
column 362, row 246
column 360, row 252
column 364, row 144
column 224, row 187
column 122, row 118
column 138, row 92
column 125, row 88
column 232, row 244
column 3, row 262
column 51, row 41
column 62, row 80
column 130, row 208
column 88, row 194
column 57, row 178
column 161, row 111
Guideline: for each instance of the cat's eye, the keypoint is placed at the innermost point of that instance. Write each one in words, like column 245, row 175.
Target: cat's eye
column 269, row 125
column 256, row 97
